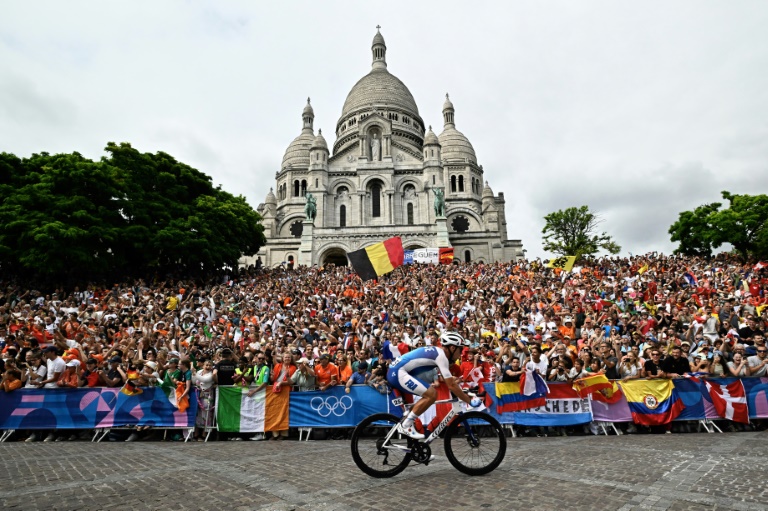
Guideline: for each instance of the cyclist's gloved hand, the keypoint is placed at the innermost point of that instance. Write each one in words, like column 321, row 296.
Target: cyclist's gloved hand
column 475, row 402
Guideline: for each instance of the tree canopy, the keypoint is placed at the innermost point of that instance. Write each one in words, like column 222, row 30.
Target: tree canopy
column 743, row 224
column 65, row 218
column 573, row 232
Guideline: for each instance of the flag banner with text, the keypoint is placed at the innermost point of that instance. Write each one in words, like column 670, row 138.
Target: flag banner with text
column 92, row 408
column 563, row 407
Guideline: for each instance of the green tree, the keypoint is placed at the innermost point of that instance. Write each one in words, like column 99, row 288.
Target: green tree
column 694, row 231
column 743, row 224
column 131, row 214
column 573, row 232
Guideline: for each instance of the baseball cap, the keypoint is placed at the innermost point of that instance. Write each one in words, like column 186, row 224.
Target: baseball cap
column 73, row 363
column 116, row 359
column 50, row 349
column 325, row 356
column 304, row 360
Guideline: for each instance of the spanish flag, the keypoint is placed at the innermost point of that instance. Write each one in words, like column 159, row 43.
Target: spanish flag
column 652, row 402
column 590, row 384
column 609, row 395
column 564, row 263
column 376, row 260
column 445, row 255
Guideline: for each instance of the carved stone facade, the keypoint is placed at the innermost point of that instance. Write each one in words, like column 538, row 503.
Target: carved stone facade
column 378, row 182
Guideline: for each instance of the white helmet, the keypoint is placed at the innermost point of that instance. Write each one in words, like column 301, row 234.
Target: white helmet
column 452, row 339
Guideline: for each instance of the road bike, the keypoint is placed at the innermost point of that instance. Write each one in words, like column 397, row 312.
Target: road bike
column 474, row 443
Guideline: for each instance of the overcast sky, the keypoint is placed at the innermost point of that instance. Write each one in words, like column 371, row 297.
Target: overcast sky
column 639, row 110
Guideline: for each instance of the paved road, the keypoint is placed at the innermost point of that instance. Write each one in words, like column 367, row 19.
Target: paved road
column 675, row 472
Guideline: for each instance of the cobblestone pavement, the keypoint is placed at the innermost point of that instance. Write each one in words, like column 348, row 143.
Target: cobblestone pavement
column 675, row 472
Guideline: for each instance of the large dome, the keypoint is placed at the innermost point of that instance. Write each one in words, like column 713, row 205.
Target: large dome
column 380, row 87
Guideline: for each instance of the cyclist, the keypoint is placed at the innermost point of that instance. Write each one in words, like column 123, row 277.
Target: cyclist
column 414, row 372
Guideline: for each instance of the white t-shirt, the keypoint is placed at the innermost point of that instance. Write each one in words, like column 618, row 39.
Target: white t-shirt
column 41, row 371
column 57, row 365
column 541, row 365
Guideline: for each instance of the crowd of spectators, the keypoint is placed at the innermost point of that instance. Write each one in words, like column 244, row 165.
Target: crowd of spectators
column 649, row 316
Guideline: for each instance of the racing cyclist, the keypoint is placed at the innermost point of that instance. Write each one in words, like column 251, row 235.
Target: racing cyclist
column 414, row 372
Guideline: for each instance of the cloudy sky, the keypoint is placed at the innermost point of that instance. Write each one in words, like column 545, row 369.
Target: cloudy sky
column 639, row 110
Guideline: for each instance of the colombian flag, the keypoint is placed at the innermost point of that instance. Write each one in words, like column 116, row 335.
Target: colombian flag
column 652, row 402
column 590, row 384
column 376, row 260
column 511, row 399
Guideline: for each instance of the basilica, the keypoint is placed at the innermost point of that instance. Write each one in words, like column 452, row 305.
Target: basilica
column 387, row 174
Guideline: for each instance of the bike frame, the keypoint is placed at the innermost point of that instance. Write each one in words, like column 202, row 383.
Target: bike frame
column 456, row 410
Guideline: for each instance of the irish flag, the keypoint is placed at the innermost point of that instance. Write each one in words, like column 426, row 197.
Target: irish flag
column 264, row 411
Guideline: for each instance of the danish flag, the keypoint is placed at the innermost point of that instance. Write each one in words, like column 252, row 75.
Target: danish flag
column 730, row 401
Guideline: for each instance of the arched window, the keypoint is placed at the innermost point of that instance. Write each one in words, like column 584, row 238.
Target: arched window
column 409, row 212
column 296, row 188
column 343, row 216
column 303, row 187
column 376, row 200
column 467, row 256
column 316, row 181
column 453, row 183
column 461, row 183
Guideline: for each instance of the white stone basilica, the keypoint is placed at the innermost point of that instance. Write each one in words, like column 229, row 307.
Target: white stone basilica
column 380, row 181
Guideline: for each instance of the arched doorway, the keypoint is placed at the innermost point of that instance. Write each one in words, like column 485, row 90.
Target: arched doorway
column 335, row 256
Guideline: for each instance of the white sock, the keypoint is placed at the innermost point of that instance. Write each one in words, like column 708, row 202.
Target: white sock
column 408, row 422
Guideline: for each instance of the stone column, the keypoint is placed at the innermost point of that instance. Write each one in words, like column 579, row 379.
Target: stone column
column 442, row 233
column 306, row 247
column 362, row 208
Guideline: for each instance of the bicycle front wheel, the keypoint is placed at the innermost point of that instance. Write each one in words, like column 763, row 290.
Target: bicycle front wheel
column 475, row 443
column 371, row 454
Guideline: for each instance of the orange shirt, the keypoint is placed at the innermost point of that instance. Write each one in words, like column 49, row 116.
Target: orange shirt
column 68, row 379
column 324, row 374
column 10, row 386
column 345, row 374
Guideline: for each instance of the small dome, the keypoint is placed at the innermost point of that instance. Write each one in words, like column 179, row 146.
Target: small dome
column 447, row 105
column 271, row 199
column 456, row 146
column 297, row 154
column 378, row 38
column 308, row 110
column 487, row 192
column 319, row 142
column 431, row 138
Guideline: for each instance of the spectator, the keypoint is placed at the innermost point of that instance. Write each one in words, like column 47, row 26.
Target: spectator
column 281, row 378
column 11, row 380
column 360, row 377
column 718, row 367
column 69, row 378
column 115, row 375
column 758, row 364
column 738, row 367
column 204, row 383
column 675, row 365
column 326, row 373
column 630, row 367
column 304, row 377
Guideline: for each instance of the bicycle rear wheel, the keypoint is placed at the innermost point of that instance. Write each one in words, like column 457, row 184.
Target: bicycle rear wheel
column 475, row 443
column 368, row 449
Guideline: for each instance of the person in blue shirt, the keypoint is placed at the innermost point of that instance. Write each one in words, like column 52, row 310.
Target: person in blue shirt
column 359, row 377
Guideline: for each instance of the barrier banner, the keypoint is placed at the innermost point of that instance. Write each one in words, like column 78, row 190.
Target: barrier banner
column 89, row 408
column 691, row 392
column 334, row 408
column 611, row 412
column 757, row 396
column 564, row 407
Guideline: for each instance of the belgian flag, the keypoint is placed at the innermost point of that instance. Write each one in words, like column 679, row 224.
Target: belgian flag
column 376, row 260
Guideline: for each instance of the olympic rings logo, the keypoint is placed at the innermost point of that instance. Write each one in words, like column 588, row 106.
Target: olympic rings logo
column 331, row 405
